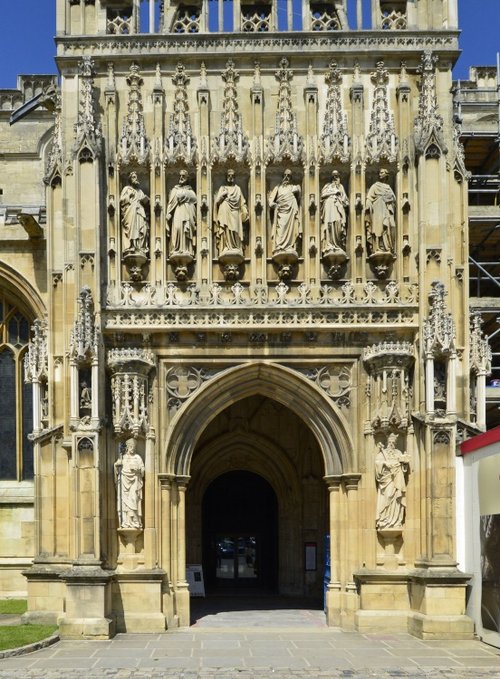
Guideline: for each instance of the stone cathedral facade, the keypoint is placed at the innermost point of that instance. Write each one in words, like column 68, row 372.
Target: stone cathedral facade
column 242, row 312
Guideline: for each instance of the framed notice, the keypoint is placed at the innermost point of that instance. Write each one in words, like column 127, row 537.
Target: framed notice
column 194, row 576
column 310, row 556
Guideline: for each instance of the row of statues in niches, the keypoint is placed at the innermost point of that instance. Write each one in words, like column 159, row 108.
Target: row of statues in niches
column 230, row 219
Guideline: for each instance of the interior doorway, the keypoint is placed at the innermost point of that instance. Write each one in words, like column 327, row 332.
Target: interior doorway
column 240, row 534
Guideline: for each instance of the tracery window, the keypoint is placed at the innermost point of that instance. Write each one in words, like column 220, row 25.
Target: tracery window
column 16, row 400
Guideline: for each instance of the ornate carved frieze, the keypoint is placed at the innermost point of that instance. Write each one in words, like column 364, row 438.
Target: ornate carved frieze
column 428, row 126
column 85, row 334
column 231, row 143
column 480, row 350
column 439, row 328
column 239, row 295
column 334, row 142
column 88, row 135
column 381, row 141
column 285, row 143
column 36, row 358
column 130, row 368
column 134, row 144
column 180, row 143
column 388, row 390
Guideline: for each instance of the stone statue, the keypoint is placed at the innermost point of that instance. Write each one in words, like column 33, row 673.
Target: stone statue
column 129, row 478
column 391, row 469
column 284, row 205
column 380, row 216
column 134, row 220
column 85, row 397
column 181, row 217
column 231, row 214
column 334, row 201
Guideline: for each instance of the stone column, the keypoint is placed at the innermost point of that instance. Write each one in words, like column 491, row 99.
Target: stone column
column 333, row 593
column 429, row 384
column 181, row 585
column 451, row 386
column 350, row 605
column 166, row 546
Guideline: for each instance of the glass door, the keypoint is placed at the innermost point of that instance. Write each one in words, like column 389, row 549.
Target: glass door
column 236, row 558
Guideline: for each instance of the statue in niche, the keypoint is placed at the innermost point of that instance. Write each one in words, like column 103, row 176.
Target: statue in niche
column 134, row 220
column 129, row 479
column 181, row 217
column 284, row 205
column 85, row 397
column 231, row 213
column 381, row 216
column 391, row 470
column 334, row 202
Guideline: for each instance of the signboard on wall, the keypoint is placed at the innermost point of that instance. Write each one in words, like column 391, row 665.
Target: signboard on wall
column 194, row 576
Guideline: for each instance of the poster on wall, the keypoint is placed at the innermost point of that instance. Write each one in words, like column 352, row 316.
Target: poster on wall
column 194, row 576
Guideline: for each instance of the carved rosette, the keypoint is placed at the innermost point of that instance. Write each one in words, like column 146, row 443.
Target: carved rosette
column 388, row 389
column 130, row 370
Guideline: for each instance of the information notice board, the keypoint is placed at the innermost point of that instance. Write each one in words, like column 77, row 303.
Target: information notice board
column 194, row 576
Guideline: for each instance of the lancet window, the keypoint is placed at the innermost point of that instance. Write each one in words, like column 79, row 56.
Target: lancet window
column 16, row 405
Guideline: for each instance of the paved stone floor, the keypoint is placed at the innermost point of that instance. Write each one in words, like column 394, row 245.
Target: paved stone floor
column 258, row 644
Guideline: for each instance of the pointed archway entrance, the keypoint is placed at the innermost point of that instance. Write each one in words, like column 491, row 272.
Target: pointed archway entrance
column 267, row 420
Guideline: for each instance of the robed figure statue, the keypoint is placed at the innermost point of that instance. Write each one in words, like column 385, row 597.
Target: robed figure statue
column 284, row 205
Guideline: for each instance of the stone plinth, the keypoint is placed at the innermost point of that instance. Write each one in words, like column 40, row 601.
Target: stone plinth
column 137, row 600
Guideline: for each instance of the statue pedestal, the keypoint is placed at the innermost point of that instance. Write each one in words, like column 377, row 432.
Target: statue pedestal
column 286, row 261
column 135, row 260
column 131, row 555
column 391, row 540
column 335, row 262
column 181, row 261
column 381, row 263
column 230, row 261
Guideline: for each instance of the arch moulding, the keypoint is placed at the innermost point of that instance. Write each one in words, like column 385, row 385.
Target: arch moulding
column 276, row 382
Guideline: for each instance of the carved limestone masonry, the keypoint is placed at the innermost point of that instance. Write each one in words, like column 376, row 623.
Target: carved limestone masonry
column 480, row 350
column 84, row 340
column 334, row 380
column 388, row 389
column 458, row 154
column 172, row 295
column 440, row 354
column 391, row 472
column 231, row 143
column 428, row 126
column 285, row 143
column 439, row 328
column 129, row 478
column 130, row 369
column 180, row 144
column 381, row 141
column 36, row 358
column 480, row 366
column 334, row 142
column 55, row 161
column 182, row 382
column 88, row 135
column 134, row 144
